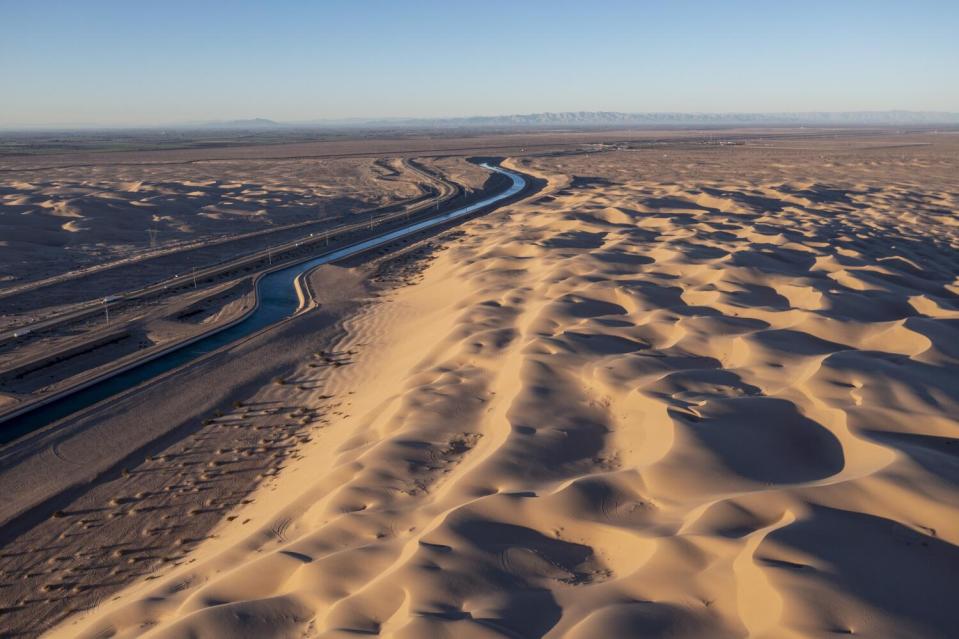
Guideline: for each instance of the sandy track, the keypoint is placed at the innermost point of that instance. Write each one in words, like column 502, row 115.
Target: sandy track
column 719, row 404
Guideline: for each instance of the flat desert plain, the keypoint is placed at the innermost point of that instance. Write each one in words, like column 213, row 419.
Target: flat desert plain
column 682, row 391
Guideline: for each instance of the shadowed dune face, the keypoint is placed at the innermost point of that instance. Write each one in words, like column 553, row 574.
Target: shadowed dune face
column 906, row 573
column 774, row 430
column 703, row 395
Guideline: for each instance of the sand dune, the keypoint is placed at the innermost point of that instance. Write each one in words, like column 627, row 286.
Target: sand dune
column 111, row 207
column 706, row 396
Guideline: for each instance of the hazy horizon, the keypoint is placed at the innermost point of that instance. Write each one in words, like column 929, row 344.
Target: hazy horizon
column 524, row 120
column 109, row 64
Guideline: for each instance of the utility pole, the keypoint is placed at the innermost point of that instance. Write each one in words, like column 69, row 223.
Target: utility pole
column 106, row 309
column 269, row 254
column 194, row 277
column 371, row 222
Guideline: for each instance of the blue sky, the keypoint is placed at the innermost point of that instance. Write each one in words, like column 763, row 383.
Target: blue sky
column 169, row 61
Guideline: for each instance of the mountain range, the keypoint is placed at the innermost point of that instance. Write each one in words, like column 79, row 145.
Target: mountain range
column 614, row 119
column 559, row 121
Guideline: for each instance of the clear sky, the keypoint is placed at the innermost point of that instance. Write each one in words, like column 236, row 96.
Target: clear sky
column 166, row 61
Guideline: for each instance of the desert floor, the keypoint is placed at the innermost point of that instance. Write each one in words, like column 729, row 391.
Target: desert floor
column 74, row 219
column 684, row 391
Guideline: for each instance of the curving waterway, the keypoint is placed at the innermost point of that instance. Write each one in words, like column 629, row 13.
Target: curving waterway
column 278, row 300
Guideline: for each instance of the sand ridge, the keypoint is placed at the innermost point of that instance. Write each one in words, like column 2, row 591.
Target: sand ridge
column 717, row 404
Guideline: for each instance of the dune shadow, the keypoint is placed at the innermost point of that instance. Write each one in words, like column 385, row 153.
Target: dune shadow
column 897, row 570
column 767, row 440
column 937, row 455
column 575, row 239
